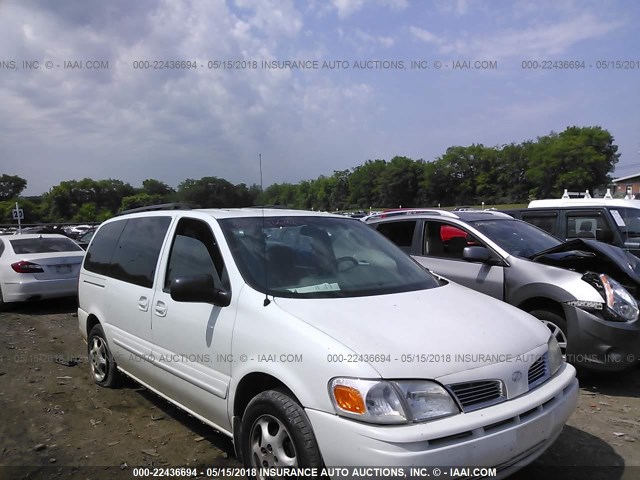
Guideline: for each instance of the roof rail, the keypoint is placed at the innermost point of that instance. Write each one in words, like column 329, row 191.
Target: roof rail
column 487, row 211
column 154, row 208
column 276, row 207
column 413, row 211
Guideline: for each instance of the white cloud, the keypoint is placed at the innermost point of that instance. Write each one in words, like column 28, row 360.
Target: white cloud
column 273, row 17
column 461, row 7
column 550, row 39
column 363, row 39
column 395, row 4
column 424, row 35
column 346, row 8
column 457, row 7
column 540, row 40
column 170, row 124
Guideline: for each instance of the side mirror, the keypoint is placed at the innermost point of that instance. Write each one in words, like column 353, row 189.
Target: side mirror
column 476, row 254
column 200, row 289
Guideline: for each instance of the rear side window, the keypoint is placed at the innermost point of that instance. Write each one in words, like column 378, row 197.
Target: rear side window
column 588, row 225
column 136, row 256
column 128, row 249
column 547, row 222
column 400, row 233
column 98, row 259
column 43, row 245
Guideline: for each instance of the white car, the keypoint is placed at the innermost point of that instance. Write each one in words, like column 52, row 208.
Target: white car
column 312, row 340
column 38, row 266
column 77, row 230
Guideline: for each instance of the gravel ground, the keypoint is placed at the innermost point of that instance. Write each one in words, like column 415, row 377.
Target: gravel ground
column 56, row 423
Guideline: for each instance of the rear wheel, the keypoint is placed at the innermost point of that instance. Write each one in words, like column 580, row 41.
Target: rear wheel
column 276, row 432
column 556, row 324
column 104, row 370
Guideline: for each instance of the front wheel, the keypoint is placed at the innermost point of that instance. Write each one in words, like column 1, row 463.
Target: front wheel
column 276, row 432
column 556, row 324
column 104, row 370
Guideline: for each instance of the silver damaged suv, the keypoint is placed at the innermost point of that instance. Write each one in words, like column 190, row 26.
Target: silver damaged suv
column 585, row 291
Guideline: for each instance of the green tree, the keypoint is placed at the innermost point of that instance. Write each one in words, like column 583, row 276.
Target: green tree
column 400, row 182
column 365, row 182
column 29, row 208
column 65, row 200
column 151, row 186
column 140, row 200
column 213, row 192
column 321, row 191
column 11, row 186
column 577, row 159
column 511, row 172
column 339, row 197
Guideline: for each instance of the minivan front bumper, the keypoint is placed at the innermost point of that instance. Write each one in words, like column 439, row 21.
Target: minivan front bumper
column 599, row 344
column 506, row 436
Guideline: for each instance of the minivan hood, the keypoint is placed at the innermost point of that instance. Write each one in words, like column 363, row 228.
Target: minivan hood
column 584, row 255
column 448, row 320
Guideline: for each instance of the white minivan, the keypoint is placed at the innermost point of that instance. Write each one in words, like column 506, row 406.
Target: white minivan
column 312, row 340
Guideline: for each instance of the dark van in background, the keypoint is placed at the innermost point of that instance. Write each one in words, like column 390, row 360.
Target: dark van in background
column 613, row 221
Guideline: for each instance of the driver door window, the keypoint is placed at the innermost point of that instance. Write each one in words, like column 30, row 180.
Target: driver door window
column 447, row 241
column 195, row 252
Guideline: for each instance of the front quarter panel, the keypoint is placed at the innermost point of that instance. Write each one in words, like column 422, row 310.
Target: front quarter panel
column 271, row 341
column 526, row 279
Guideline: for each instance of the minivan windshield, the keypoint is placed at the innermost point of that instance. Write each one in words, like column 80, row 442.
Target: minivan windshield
column 320, row 257
column 518, row 238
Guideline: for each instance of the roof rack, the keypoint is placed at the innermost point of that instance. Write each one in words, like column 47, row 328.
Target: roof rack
column 154, row 208
column 567, row 195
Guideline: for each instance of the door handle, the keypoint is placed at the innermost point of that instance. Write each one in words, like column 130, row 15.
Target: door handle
column 143, row 303
column 161, row 308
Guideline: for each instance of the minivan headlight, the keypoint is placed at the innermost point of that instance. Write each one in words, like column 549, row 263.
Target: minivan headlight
column 387, row 402
column 620, row 305
column 554, row 355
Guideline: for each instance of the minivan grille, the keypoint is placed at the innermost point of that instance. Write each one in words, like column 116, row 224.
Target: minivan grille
column 474, row 395
column 538, row 372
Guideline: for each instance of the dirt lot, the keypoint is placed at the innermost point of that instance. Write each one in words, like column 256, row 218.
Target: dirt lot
column 55, row 423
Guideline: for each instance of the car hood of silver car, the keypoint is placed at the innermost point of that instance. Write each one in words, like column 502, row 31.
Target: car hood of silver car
column 584, row 255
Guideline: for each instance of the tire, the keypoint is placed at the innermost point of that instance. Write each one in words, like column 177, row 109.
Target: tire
column 289, row 441
column 557, row 325
column 104, row 370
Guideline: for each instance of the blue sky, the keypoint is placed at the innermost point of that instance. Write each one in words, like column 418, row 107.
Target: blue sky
column 121, row 122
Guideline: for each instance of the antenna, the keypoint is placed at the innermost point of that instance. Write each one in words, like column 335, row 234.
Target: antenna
column 264, row 242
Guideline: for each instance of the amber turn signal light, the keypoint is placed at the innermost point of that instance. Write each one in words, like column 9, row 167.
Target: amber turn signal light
column 349, row 399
